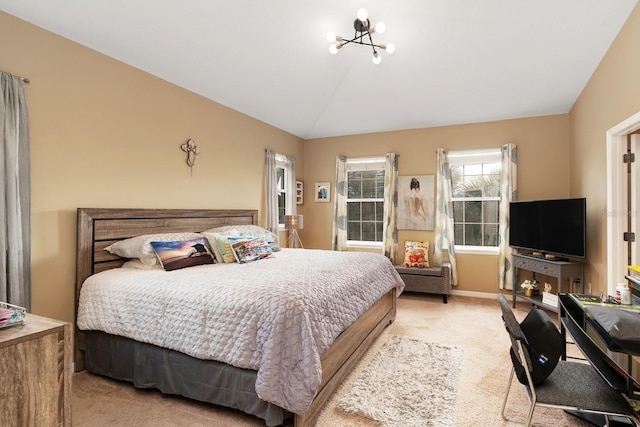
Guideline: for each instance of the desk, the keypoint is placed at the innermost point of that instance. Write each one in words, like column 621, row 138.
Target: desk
column 619, row 369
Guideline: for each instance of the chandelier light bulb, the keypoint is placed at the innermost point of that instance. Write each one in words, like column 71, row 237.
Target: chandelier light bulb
column 376, row 58
column 380, row 28
column 334, row 48
column 363, row 14
column 390, row 48
column 331, row 36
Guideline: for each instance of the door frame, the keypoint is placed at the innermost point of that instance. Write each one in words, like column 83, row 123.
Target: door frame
column 617, row 204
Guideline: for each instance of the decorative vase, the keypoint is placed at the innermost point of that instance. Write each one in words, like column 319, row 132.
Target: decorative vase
column 528, row 293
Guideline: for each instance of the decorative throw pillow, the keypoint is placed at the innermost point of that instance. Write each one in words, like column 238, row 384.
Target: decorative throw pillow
column 248, row 250
column 181, row 254
column 220, row 245
column 416, row 254
column 252, row 231
column 140, row 246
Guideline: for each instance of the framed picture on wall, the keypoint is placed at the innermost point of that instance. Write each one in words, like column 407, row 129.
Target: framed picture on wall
column 415, row 202
column 299, row 193
column 323, row 192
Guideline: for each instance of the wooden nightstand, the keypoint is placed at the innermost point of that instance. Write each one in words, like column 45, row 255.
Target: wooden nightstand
column 35, row 373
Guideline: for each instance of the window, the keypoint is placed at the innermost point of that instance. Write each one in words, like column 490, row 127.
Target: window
column 365, row 201
column 475, row 184
column 281, row 171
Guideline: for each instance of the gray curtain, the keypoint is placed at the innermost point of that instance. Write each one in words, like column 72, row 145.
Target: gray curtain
column 444, row 248
column 508, row 192
column 15, row 262
column 271, row 192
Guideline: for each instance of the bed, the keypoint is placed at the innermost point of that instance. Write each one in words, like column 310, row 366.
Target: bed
column 172, row 369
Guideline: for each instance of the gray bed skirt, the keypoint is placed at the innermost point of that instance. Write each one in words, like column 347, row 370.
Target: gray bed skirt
column 172, row 372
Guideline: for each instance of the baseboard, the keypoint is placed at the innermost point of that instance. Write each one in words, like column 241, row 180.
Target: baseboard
column 475, row 294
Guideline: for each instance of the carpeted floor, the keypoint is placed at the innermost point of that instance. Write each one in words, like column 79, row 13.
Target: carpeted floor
column 472, row 324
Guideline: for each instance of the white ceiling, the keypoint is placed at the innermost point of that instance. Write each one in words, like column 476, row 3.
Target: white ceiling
column 456, row 61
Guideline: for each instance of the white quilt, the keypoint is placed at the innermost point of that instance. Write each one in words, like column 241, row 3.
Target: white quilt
column 275, row 316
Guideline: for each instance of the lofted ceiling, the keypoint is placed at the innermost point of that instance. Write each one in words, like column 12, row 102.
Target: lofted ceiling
column 456, row 61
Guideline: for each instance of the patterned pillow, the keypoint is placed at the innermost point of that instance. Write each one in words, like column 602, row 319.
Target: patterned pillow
column 182, row 254
column 416, row 254
column 251, row 230
column 140, row 247
column 248, row 250
column 220, row 245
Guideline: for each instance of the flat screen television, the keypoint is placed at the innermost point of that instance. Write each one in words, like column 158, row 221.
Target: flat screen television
column 550, row 227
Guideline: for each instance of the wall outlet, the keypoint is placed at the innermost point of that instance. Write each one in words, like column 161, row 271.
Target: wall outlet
column 587, row 288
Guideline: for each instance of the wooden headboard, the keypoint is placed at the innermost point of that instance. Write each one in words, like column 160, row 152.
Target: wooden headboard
column 98, row 228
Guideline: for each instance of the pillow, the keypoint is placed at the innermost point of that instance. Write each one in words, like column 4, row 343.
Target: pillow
column 253, row 231
column 416, row 254
column 140, row 247
column 248, row 250
column 182, row 254
column 220, row 245
column 544, row 344
column 139, row 264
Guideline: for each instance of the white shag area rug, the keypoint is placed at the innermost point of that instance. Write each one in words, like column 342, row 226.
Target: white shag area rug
column 408, row 383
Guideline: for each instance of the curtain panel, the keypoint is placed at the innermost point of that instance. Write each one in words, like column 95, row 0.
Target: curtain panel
column 339, row 238
column 508, row 192
column 15, row 239
column 271, row 192
column 444, row 248
column 390, row 228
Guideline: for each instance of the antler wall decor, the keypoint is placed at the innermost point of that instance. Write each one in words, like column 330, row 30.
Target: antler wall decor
column 191, row 149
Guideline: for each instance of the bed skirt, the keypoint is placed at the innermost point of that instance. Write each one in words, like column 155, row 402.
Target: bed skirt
column 172, row 372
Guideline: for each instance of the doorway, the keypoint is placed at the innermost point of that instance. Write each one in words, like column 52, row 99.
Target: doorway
column 623, row 196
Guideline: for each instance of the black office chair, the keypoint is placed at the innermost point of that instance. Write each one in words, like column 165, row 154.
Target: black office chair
column 572, row 386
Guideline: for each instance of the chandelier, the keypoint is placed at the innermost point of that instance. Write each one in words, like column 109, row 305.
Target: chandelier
column 364, row 29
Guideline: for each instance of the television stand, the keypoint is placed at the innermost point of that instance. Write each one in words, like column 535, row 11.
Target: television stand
column 561, row 270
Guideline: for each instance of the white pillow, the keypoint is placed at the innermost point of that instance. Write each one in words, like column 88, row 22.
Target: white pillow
column 140, row 246
column 139, row 264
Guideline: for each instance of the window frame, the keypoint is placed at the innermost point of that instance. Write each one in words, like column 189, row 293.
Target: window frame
column 474, row 157
column 364, row 164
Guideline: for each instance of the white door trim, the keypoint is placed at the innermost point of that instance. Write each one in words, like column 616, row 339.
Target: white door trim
column 617, row 209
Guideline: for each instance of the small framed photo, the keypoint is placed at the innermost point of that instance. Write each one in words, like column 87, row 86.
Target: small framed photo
column 299, row 193
column 323, row 192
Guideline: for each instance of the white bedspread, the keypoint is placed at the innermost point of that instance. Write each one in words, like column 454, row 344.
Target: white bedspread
column 276, row 315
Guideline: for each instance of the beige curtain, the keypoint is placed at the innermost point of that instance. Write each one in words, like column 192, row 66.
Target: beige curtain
column 508, row 192
column 444, row 247
column 339, row 238
column 390, row 228
column 15, row 192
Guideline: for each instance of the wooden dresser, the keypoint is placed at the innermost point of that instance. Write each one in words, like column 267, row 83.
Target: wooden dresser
column 35, row 373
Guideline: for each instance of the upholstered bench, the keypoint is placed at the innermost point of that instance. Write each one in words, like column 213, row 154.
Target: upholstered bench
column 431, row 280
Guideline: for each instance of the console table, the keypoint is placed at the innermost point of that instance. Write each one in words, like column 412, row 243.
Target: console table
column 559, row 269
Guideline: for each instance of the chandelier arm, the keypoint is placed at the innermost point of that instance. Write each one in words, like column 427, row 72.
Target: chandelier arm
column 356, row 41
column 372, row 45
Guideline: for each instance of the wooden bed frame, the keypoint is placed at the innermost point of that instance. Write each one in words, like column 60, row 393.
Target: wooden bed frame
column 98, row 228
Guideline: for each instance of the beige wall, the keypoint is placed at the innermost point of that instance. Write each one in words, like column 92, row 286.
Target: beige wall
column 104, row 134
column 543, row 158
column 611, row 96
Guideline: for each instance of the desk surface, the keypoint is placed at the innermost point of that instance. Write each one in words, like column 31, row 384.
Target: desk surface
column 616, row 366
